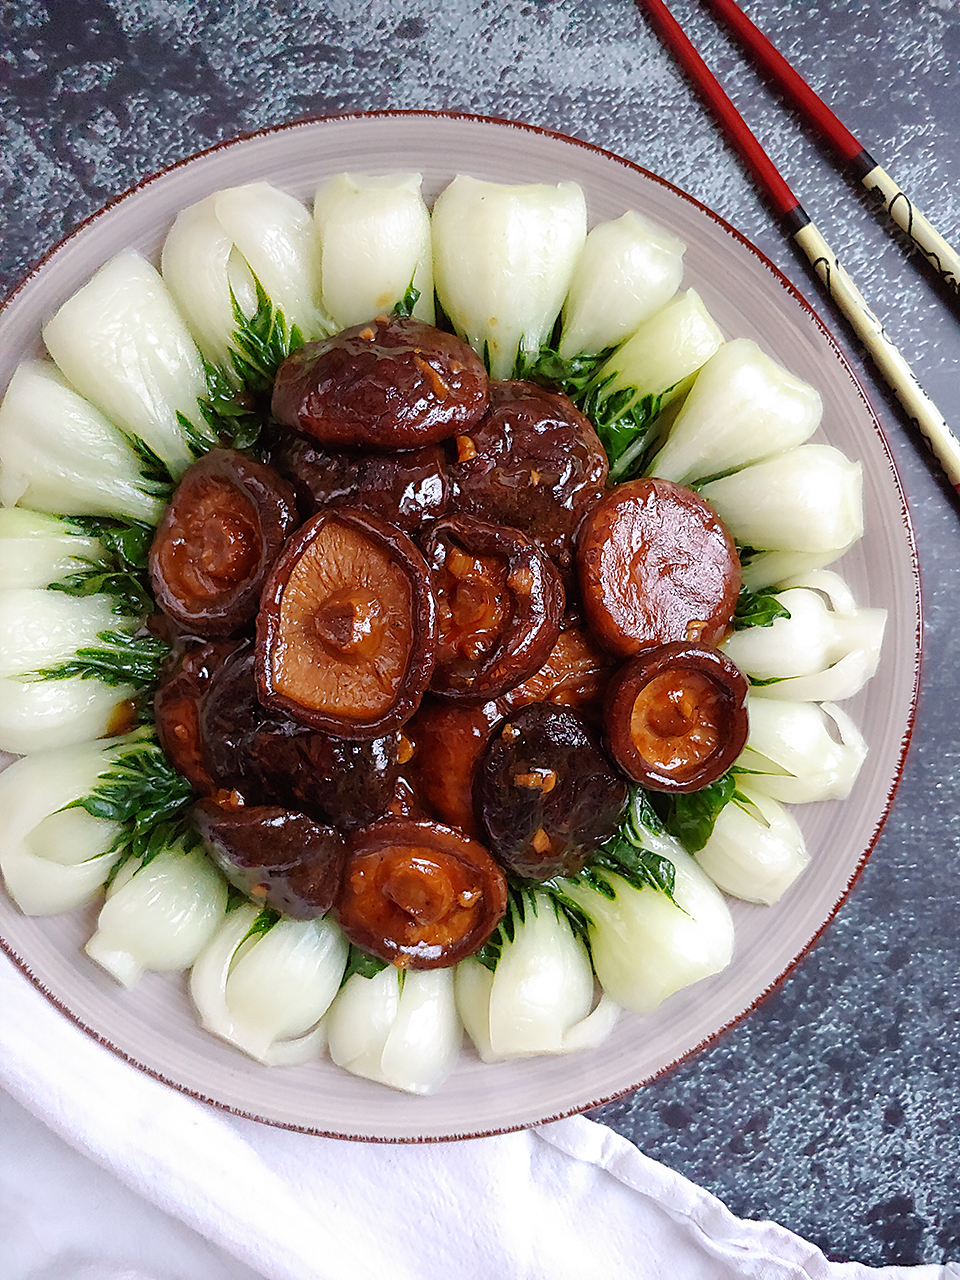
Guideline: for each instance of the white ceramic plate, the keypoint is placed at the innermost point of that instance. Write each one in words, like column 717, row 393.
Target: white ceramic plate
column 153, row 1024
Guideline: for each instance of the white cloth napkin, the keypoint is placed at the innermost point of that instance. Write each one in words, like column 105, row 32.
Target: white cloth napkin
column 569, row 1201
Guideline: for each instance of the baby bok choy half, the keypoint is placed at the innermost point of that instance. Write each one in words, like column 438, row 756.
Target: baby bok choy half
column 755, row 850
column 123, row 345
column 653, row 920
column 54, row 854
column 530, row 990
column 73, row 595
column 398, row 1027
column 264, row 982
column 503, row 258
column 160, row 911
column 243, row 265
column 645, row 375
column 742, row 408
column 60, row 454
column 375, row 247
column 628, row 269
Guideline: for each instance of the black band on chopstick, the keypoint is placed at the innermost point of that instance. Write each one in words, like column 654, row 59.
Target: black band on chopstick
column 794, row 220
column 862, row 164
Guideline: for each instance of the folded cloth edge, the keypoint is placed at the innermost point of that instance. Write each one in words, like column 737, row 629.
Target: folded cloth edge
column 63, row 1077
column 753, row 1246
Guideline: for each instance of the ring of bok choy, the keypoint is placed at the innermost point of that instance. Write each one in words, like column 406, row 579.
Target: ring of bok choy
column 574, row 363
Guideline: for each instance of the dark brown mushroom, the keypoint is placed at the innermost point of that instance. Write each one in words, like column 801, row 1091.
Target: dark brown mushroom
column 535, row 463
column 393, row 383
column 574, row 674
column 656, row 565
column 499, row 606
column 545, row 794
column 176, row 707
column 217, row 540
column 407, row 489
column 450, row 738
column 676, row 716
column 269, row 759
column 418, row 894
column 281, row 859
column 346, row 631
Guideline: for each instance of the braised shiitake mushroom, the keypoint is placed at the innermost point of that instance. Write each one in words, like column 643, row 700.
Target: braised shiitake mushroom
column 393, row 383
column 574, row 674
column 406, row 489
column 176, row 708
column 676, row 716
column 499, row 605
column 535, row 463
column 656, row 565
column 279, row 858
column 419, row 894
column 270, row 759
column 450, row 738
column 545, row 794
column 347, row 626
column 217, row 540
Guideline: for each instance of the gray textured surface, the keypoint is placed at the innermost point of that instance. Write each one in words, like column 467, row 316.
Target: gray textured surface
column 834, row 1107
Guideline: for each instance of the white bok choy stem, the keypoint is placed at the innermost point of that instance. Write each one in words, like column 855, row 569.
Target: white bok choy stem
column 540, row 996
column 60, row 454
column 756, row 850
column 54, row 858
column 742, row 407
column 646, row 947
column 628, row 268
column 764, row 569
column 807, row 499
column 122, row 344
column 46, row 715
column 826, row 650
column 400, row 1029
column 374, row 243
column 647, row 374
column 41, row 629
column 37, row 550
column 799, row 752
column 158, row 914
column 265, row 992
column 503, row 258
column 275, row 235
column 219, row 249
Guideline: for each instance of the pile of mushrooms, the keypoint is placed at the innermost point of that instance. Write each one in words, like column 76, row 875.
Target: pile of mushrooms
column 421, row 646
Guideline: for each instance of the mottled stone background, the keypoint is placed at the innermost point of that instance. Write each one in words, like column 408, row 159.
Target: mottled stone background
column 835, row 1107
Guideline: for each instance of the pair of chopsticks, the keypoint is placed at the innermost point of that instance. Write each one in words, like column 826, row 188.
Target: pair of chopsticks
column 897, row 373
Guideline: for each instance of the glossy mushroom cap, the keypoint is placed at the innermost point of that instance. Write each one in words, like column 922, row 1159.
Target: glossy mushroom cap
column 499, row 606
column 545, row 794
column 656, row 565
column 346, row 631
column 676, row 716
column 419, row 894
column 284, row 860
column 407, row 489
column 393, row 383
column 269, row 759
column 217, row 541
column 535, row 463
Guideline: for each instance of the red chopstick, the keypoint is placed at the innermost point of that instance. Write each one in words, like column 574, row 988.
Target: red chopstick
column 942, row 257
column 899, row 376
column 768, row 177
column 772, row 61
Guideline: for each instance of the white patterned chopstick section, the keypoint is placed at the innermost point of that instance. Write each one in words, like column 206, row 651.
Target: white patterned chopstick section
column 897, row 373
column 942, row 257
